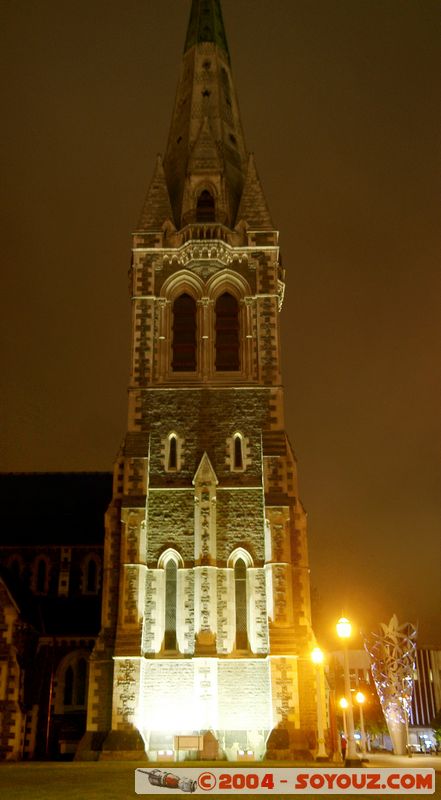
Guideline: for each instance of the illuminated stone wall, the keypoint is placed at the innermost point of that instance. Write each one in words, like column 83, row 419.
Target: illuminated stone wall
column 231, row 698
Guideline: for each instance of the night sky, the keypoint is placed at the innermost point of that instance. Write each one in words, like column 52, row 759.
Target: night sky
column 340, row 104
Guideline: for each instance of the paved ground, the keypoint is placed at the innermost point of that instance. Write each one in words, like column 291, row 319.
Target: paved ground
column 115, row 780
column 415, row 761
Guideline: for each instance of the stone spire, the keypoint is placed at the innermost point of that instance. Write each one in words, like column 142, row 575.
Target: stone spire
column 206, row 25
column 205, row 120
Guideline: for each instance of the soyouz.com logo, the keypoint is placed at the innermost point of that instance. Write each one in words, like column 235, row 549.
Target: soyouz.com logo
column 260, row 780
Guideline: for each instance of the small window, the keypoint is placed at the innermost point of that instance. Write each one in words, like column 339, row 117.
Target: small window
column 205, row 207
column 238, row 454
column 227, row 333
column 172, row 453
column 184, row 334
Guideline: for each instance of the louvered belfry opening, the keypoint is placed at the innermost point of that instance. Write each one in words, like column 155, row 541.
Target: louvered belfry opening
column 227, row 333
column 184, row 334
column 205, row 208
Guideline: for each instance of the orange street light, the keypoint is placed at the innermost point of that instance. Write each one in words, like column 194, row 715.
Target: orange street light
column 344, row 628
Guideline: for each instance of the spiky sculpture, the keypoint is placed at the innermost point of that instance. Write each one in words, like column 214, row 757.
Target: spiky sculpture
column 392, row 652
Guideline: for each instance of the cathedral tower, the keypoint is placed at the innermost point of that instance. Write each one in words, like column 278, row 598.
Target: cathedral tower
column 206, row 629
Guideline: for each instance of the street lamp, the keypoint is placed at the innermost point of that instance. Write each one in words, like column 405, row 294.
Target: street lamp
column 344, row 630
column 317, row 659
column 360, row 698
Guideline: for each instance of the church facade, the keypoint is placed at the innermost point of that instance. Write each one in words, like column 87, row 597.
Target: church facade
column 206, row 627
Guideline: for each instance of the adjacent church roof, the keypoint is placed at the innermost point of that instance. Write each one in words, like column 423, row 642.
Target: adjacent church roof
column 77, row 615
column 54, row 508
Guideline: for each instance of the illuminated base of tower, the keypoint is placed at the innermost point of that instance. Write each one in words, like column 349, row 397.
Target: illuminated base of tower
column 231, row 698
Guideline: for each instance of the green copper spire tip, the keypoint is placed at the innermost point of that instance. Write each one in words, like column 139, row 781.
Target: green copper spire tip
column 206, row 25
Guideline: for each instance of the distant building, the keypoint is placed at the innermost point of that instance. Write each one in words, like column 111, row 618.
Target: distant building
column 51, row 573
column 426, row 698
column 426, row 701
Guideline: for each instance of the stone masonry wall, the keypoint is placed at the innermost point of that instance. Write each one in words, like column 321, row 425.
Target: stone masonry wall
column 170, row 523
column 240, row 523
column 205, row 419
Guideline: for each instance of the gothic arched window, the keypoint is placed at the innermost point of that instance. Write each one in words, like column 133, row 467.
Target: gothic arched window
column 184, row 334
column 205, row 208
column 89, row 575
column 240, row 590
column 71, row 682
column 227, row 333
column 171, row 580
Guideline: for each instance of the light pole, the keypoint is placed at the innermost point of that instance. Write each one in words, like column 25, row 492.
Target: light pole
column 317, row 659
column 360, row 698
column 343, row 703
column 344, row 630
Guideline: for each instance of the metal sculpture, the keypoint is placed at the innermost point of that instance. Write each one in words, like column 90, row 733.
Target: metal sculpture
column 393, row 653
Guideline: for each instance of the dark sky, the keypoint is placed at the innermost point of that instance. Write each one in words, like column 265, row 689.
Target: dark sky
column 340, row 104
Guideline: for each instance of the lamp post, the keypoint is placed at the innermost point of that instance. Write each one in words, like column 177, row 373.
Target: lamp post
column 317, row 659
column 344, row 630
column 343, row 703
column 360, row 698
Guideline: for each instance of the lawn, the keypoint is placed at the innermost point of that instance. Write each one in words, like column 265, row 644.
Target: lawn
column 68, row 781
column 103, row 780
